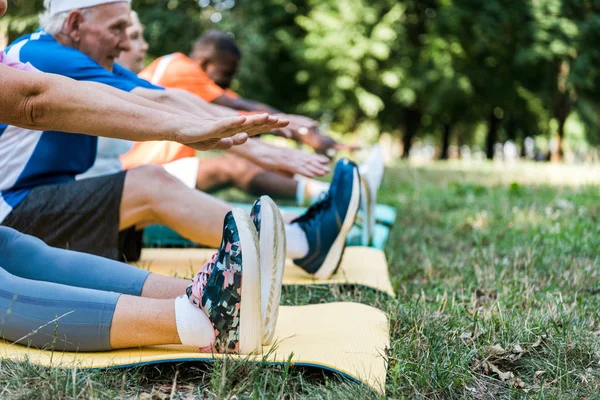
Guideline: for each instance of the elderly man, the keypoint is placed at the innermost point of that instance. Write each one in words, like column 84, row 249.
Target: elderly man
column 103, row 215
column 77, row 302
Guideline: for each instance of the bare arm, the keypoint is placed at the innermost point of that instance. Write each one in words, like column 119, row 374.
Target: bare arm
column 211, row 108
column 282, row 159
column 49, row 102
column 244, row 104
column 301, row 129
column 186, row 103
column 169, row 99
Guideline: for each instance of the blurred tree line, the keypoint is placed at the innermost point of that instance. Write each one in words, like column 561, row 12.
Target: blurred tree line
column 456, row 72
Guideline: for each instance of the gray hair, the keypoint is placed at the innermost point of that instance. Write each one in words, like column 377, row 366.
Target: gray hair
column 53, row 24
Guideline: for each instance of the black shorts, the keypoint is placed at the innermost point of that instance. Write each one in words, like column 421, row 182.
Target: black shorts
column 81, row 216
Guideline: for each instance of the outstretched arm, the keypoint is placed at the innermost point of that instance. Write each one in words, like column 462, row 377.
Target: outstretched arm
column 243, row 104
column 49, row 102
column 283, row 160
column 301, row 129
column 185, row 103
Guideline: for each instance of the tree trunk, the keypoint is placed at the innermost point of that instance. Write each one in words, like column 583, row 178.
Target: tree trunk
column 412, row 123
column 562, row 109
column 557, row 156
column 446, row 141
column 511, row 129
column 492, row 136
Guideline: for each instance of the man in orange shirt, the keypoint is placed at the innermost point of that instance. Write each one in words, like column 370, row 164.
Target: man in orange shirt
column 208, row 72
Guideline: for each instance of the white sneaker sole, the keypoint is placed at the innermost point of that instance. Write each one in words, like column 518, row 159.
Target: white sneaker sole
column 366, row 213
column 371, row 180
column 250, row 318
column 334, row 256
column 272, row 265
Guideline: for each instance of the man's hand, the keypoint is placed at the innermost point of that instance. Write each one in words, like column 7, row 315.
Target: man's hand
column 297, row 123
column 306, row 130
column 324, row 144
column 291, row 162
column 224, row 133
column 283, row 160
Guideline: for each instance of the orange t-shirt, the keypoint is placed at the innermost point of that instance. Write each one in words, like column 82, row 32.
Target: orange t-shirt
column 232, row 94
column 143, row 153
column 180, row 72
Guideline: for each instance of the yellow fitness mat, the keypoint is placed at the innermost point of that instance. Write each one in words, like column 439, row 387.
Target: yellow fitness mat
column 346, row 338
column 362, row 266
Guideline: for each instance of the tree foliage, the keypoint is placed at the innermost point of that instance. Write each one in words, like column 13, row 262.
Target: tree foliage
column 420, row 68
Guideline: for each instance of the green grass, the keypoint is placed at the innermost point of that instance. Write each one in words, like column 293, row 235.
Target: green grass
column 497, row 272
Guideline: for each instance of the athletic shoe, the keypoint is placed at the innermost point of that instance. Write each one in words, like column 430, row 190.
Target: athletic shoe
column 327, row 223
column 227, row 288
column 271, row 236
column 371, row 173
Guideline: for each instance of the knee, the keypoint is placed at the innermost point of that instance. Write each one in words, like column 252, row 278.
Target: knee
column 19, row 252
column 152, row 185
column 152, row 179
column 9, row 238
column 8, row 235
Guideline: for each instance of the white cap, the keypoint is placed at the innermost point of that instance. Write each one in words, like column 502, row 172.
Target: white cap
column 60, row 6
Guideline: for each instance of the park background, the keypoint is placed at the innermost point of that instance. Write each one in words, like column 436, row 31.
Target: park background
column 433, row 76
column 496, row 265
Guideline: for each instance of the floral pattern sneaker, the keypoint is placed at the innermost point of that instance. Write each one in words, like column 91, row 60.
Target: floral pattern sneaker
column 227, row 288
column 271, row 233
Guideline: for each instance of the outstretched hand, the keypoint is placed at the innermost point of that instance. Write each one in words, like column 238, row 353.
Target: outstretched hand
column 297, row 122
column 306, row 130
column 224, row 133
column 291, row 161
column 324, row 144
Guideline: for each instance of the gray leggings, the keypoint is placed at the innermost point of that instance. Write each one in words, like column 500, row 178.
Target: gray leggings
column 59, row 299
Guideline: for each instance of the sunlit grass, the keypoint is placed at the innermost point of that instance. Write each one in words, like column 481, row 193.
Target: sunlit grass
column 497, row 272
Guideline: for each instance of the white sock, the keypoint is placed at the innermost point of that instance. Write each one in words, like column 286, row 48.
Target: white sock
column 316, row 190
column 297, row 244
column 193, row 326
column 309, row 191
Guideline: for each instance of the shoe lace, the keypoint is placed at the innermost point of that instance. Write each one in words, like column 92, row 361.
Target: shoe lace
column 311, row 215
column 203, row 274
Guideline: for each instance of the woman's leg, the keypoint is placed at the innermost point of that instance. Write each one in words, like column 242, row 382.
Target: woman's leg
column 67, row 318
column 142, row 322
column 28, row 257
column 64, row 318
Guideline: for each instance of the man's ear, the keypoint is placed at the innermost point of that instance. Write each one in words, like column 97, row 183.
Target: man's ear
column 203, row 62
column 73, row 24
